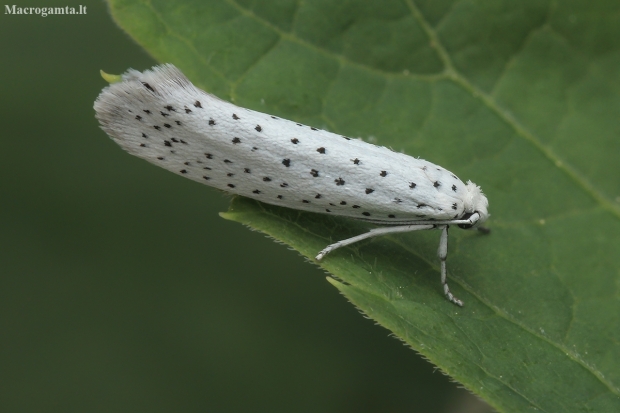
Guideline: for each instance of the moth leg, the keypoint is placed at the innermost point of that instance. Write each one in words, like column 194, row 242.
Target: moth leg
column 442, row 253
column 484, row 230
column 376, row 232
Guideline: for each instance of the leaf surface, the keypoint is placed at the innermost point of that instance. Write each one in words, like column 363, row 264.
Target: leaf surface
column 520, row 97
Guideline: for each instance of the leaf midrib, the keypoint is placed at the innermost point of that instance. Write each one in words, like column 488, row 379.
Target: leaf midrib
column 504, row 115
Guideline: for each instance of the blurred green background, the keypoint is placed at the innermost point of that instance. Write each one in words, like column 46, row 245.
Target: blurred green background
column 122, row 290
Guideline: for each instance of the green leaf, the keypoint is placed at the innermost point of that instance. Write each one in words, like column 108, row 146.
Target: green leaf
column 520, row 97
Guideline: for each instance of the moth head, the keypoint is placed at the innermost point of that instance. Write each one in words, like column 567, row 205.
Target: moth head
column 475, row 202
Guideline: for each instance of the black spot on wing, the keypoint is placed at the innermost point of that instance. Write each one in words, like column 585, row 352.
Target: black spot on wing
column 149, row 87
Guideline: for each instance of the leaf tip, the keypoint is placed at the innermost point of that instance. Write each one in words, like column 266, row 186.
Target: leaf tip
column 110, row 78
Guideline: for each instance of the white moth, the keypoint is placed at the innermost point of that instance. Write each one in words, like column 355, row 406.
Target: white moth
column 160, row 116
